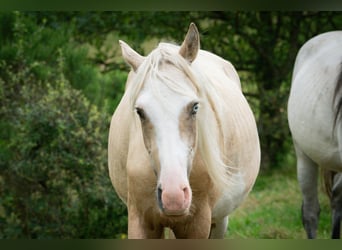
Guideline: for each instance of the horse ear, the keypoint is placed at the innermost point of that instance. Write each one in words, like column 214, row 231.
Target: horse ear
column 191, row 44
column 131, row 56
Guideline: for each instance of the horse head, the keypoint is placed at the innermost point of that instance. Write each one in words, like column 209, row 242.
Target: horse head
column 167, row 107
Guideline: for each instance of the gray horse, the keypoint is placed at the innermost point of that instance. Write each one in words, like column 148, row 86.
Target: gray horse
column 314, row 115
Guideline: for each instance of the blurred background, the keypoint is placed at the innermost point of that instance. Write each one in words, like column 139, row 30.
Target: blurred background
column 61, row 78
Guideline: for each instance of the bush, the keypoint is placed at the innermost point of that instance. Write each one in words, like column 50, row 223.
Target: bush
column 54, row 181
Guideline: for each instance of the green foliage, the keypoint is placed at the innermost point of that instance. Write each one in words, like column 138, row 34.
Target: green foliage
column 54, row 181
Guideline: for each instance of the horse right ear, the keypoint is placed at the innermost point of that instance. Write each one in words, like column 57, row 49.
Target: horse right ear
column 131, row 56
column 191, row 44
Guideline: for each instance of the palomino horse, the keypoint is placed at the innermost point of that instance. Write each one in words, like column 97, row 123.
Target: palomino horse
column 183, row 143
column 314, row 114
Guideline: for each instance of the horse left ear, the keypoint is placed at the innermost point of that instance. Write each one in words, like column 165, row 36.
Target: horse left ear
column 191, row 44
column 131, row 56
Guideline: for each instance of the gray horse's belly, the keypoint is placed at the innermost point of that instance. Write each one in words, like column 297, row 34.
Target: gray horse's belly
column 312, row 131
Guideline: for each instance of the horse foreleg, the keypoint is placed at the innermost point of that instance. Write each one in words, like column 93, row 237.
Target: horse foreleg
column 138, row 228
column 336, row 205
column 307, row 173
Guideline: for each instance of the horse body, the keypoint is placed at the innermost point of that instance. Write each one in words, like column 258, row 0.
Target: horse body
column 190, row 153
column 314, row 122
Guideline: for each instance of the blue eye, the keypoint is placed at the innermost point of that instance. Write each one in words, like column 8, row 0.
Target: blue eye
column 195, row 108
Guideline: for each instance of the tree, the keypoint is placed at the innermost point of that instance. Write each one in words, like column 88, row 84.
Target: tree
column 54, row 180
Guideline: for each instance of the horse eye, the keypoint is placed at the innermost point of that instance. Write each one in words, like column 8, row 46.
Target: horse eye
column 195, row 108
column 140, row 112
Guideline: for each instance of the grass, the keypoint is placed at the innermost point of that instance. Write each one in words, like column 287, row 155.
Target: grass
column 273, row 210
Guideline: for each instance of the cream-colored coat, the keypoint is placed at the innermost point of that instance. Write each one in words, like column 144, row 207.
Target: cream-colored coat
column 215, row 192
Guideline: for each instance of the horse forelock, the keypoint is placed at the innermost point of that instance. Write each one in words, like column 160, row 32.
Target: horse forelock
column 165, row 55
column 337, row 100
column 209, row 130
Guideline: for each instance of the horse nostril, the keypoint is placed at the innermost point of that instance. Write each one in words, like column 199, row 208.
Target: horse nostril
column 186, row 192
column 159, row 197
column 159, row 191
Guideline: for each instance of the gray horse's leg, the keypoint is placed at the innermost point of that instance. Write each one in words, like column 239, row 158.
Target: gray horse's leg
column 307, row 173
column 219, row 229
column 336, row 206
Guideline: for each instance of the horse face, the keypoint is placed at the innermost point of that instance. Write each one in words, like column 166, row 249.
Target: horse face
column 168, row 122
